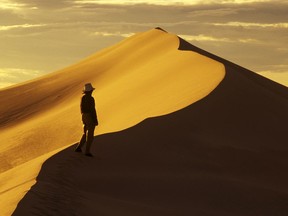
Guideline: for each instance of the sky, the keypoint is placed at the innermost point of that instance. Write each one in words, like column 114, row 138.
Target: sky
column 38, row 36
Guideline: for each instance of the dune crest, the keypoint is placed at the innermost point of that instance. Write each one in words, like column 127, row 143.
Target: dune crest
column 141, row 77
column 223, row 155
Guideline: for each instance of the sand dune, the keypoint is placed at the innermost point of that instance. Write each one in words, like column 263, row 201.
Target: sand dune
column 146, row 75
column 224, row 155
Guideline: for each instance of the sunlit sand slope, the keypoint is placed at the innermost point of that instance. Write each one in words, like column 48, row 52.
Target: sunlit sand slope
column 143, row 76
column 224, row 155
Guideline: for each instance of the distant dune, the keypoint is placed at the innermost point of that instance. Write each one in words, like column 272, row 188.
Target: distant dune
column 213, row 140
column 144, row 76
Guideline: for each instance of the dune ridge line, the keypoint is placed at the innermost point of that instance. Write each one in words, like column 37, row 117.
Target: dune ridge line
column 140, row 77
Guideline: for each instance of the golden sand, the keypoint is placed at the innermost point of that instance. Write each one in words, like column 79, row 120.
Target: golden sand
column 141, row 77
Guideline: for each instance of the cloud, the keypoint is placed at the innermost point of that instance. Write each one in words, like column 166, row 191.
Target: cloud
column 165, row 2
column 215, row 12
column 238, row 1
column 41, row 4
column 202, row 37
column 277, row 68
column 11, row 76
column 280, row 77
column 6, row 28
column 15, row 6
column 111, row 34
column 207, row 38
column 10, row 5
column 252, row 25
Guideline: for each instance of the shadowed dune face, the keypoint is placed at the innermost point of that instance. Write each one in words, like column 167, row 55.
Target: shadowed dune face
column 143, row 76
column 224, row 155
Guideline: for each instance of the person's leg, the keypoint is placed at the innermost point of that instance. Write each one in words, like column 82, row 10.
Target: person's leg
column 90, row 138
column 83, row 139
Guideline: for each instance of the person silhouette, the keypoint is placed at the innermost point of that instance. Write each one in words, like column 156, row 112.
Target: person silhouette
column 89, row 119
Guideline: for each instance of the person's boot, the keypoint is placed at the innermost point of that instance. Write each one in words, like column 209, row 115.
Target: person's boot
column 81, row 143
column 89, row 154
column 88, row 145
column 78, row 149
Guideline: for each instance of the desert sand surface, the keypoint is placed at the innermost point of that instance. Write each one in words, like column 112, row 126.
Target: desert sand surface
column 224, row 155
column 146, row 75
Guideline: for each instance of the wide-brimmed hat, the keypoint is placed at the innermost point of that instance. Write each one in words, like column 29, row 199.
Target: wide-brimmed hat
column 88, row 87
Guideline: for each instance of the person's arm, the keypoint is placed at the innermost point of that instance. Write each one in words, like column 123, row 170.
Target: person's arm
column 94, row 114
column 81, row 105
